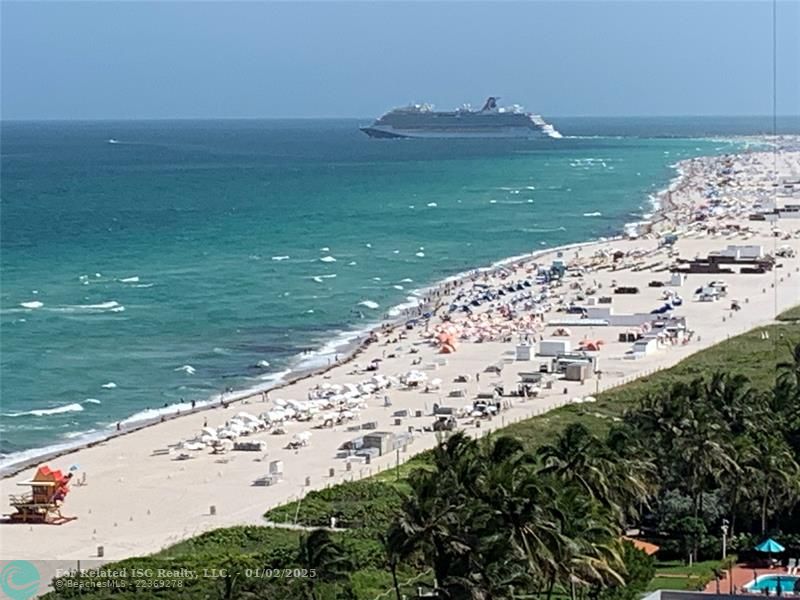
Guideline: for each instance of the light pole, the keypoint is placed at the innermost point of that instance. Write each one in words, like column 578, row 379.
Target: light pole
column 724, row 538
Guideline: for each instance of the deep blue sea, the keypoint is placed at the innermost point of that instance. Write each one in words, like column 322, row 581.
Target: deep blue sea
column 148, row 262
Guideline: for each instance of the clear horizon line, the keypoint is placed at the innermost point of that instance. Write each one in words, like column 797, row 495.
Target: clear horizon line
column 353, row 118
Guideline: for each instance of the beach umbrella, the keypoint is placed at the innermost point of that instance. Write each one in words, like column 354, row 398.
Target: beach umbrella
column 769, row 545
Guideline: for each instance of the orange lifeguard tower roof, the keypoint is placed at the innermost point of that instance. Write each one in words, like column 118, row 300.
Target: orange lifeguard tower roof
column 45, row 476
column 45, row 473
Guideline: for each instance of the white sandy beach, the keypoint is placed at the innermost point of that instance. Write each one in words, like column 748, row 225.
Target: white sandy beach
column 135, row 502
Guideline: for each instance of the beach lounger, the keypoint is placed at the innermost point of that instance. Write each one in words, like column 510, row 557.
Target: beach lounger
column 266, row 480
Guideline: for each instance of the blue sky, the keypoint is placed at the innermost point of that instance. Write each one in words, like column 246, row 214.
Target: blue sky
column 105, row 60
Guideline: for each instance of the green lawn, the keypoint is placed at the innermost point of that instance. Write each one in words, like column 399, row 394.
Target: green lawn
column 676, row 575
column 793, row 314
column 749, row 354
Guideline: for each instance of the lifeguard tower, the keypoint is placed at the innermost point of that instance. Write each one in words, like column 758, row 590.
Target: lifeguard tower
column 43, row 503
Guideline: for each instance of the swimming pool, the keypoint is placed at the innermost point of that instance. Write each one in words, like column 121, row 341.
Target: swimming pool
column 770, row 582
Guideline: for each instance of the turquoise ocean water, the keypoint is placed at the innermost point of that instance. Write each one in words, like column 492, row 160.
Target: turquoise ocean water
column 148, row 262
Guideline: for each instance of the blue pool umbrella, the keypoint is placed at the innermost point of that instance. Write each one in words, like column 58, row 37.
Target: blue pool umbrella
column 769, row 545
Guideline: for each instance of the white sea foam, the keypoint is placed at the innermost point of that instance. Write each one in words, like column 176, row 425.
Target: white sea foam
column 188, row 369
column 318, row 279
column 325, row 354
column 144, row 285
column 593, row 214
column 398, row 287
column 262, row 364
column 352, row 263
column 411, row 302
column 369, row 304
column 102, row 305
column 325, row 249
column 32, row 304
column 92, row 401
column 543, row 230
column 134, row 279
column 368, row 245
column 279, row 258
column 376, row 278
column 150, row 414
column 275, row 377
column 420, row 254
column 407, row 280
column 72, row 435
column 109, row 386
column 327, row 259
column 110, row 306
column 43, row 412
column 432, row 204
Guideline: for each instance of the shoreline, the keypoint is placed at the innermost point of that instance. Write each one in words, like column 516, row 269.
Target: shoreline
column 352, row 347
column 146, row 490
column 349, row 350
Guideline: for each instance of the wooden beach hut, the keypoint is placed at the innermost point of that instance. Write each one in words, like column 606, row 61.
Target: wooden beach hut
column 42, row 504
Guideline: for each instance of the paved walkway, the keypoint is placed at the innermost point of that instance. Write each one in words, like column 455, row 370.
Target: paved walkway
column 741, row 576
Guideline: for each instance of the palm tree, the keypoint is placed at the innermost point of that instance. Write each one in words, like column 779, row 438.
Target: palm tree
column 789, row 370
column 522, row 502
column 396, row 546
column 430, row 518
column 632, row 473
column 732, row 397
column 777, row 470
column 577, row 456
column 740, row 486
column 323, row 559
column 593, row 556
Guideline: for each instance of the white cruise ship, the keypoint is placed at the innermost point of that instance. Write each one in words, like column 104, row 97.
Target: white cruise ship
column 491, row 121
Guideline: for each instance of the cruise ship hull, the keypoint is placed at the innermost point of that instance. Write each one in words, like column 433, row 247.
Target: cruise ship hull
column 505, row 132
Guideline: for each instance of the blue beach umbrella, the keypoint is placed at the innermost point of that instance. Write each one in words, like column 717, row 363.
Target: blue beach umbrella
column 769, row 545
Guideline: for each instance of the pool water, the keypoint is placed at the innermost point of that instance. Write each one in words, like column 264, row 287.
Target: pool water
column 770, row 582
